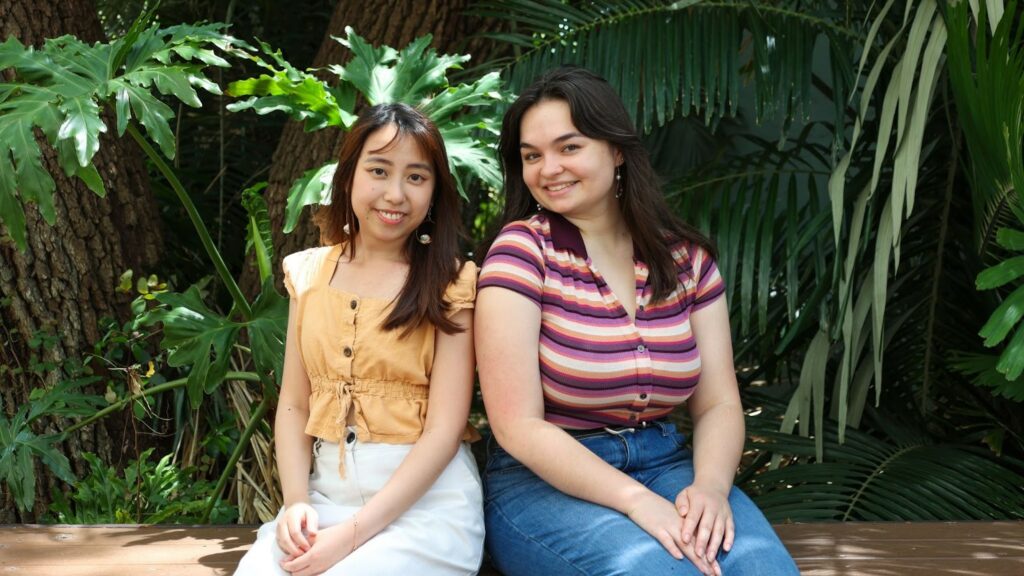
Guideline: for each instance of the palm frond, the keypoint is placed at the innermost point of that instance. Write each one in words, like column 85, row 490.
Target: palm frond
column 898, row 474
column 680, row 57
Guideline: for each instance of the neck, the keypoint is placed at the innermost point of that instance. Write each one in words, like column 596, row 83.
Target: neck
column 606, row 225
column 378, row 252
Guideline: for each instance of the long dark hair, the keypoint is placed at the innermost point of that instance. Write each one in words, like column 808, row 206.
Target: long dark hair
column 598, row 113
column 433, row 266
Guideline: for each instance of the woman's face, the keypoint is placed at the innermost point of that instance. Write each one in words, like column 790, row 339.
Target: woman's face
column 566, row 171
column 391, row 188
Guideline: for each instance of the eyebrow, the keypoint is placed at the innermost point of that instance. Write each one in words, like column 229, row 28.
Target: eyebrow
column 382, row 160
column 562, row 138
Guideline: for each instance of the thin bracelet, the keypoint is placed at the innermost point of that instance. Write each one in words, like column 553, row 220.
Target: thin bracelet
column 355, row 525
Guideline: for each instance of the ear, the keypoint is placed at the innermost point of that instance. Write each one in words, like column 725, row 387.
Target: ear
column 619, row 160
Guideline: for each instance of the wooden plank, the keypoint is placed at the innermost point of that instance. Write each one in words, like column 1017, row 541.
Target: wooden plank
column 126, row 535
column 823, row 549
column 849, row 531
column 915, row 567
column 62, row 569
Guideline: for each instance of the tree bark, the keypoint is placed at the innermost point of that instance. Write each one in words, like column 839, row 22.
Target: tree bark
column 395, row 23
column 65, row 281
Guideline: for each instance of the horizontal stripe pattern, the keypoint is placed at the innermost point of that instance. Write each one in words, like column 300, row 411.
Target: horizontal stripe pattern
column 598, row 367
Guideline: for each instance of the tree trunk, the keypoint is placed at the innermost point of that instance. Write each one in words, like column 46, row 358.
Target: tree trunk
column 299, row 151
column 65, row 281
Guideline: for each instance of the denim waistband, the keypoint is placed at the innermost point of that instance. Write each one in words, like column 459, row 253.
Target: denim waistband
column 661, row 424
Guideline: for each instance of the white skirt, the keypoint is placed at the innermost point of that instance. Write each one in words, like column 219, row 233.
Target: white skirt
column 441, row 534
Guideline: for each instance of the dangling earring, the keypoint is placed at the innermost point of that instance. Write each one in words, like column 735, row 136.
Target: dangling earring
column 346, row 230
column 539, row 207
column 618, row 182
column 425, row 238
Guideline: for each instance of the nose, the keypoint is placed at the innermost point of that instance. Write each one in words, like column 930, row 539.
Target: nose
column 394, row 193
column 551, row 166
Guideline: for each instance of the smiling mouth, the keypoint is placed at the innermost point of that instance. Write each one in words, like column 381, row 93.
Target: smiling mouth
column 390, row 217
column 559, row 187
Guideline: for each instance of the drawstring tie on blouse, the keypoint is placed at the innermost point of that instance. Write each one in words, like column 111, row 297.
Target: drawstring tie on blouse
column 343, row 391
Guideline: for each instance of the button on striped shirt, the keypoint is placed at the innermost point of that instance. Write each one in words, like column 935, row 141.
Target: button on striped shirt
column 599, row 367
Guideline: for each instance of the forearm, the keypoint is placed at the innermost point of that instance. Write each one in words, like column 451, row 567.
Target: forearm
column 718, row 436
column 562, row 461
column 421, row 467
column 293, row 449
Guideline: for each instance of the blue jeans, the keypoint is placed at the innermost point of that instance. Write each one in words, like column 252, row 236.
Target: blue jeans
column 534, row 529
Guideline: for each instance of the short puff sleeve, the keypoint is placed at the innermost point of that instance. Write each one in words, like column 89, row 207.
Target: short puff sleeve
column 300, row 270
column 461, row 294
column 709, row 283
column 516, row 262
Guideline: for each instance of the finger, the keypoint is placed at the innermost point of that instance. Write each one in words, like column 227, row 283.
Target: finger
column 717, row 532
column 707, row 524
column 669, row 542
column 683, row 502
column 716, row 567
column 312, row 522
column 284, row 542
column 730, row 533
column 692, row 518
column 298, row 538
column 296, row 565
column 698, row 562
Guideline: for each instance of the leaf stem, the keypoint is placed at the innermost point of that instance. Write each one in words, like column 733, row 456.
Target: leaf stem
column 243, row 441
column 204, row 235
column 247, row 376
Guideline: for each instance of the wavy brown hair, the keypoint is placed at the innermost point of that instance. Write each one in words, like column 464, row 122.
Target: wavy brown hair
column 598, row 113
column 432, row 267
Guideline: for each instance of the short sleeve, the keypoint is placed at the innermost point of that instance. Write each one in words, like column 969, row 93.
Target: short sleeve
column 461, row 294
column 287, row 264
column 301, row 268
column 710, row 286
column 515, row 262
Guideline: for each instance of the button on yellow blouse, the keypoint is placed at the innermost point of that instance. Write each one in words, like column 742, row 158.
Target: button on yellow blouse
column 381, row 376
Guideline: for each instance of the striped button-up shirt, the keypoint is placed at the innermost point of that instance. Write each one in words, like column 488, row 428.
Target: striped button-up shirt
column 599, row 367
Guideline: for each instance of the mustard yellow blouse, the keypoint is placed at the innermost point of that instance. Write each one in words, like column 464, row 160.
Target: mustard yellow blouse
column 356, row 366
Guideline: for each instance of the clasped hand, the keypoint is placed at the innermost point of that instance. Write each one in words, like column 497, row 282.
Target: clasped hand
column 308, row 550
column 707, row 519
column 666, row 524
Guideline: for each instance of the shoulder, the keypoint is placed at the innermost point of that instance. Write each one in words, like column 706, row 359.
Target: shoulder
column 536, row 227
column 303, row 267
column 530, row 236
column 691, row 258
column 462, row 292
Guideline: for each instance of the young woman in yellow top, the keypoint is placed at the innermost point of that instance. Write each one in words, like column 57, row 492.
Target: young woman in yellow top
column 378, row 372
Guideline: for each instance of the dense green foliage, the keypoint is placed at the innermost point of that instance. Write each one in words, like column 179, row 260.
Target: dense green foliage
column 867, row 203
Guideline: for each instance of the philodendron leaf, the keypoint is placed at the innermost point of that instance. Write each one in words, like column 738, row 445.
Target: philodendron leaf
column 62, row 87
column 198, row 337
column 314, row 187
column 301, row 95
column 267, row 330
column 258, row 236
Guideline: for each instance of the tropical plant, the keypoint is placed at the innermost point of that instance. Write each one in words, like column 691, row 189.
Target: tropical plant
column 144, row 492
column 196, row 337
column 987, row 80
column 842, row 240
column 896, row 473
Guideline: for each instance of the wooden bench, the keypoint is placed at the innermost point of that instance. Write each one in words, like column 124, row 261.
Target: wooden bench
column 851, row 549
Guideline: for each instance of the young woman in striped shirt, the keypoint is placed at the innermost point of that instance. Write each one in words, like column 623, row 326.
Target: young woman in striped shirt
column 598, row 313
